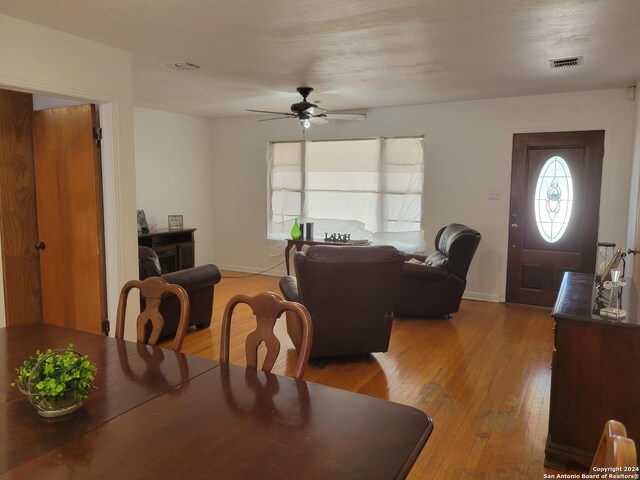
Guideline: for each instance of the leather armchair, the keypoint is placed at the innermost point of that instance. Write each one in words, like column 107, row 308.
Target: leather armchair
column 349, row 292
column 434, row 287
column 198, row 283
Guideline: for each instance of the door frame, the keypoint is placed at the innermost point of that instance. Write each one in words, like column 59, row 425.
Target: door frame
column 112, row 163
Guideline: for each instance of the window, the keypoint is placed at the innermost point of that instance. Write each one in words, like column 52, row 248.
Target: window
column 368, row 185
column 553, row 199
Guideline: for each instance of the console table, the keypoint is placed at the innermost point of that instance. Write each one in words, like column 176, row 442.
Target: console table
column 595, row 373
column 175, row 248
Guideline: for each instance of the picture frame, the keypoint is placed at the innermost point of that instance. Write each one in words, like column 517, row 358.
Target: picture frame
column 175, row 222
column 143, row 225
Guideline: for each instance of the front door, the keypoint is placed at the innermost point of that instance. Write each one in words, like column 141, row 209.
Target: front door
column 553, row 217
column 70, row 225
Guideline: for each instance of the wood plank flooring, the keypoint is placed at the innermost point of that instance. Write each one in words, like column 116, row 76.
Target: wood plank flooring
column 483, row 376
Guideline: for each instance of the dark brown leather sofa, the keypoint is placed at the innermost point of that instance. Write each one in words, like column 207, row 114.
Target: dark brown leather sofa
column 349, row 292
column 198, row 283
column 435, row 287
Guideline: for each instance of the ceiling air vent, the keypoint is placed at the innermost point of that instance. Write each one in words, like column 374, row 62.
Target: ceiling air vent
column 182, row 65
column 566, row 62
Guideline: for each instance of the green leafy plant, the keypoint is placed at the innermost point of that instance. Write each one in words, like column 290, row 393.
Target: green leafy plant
column 56, row 377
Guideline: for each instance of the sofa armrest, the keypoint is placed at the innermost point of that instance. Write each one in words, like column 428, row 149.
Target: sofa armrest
column 194, row 278
column 289, row 288
column 424, row 273
column 148, row 263
column 409, row 256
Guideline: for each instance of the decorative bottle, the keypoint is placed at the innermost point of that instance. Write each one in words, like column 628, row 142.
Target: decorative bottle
column 295, row 231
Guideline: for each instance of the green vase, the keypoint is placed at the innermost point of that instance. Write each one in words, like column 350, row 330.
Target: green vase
column 295, row 231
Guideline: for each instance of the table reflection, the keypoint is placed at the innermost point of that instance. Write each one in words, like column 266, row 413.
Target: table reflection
column 155, row 366
column 259, row 391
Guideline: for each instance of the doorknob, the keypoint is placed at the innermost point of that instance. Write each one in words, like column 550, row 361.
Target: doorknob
column 514, row 226
column 40, row 246
column 632, row 251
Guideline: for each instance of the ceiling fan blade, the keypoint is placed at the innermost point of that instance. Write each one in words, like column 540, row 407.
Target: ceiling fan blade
column 319, row 120
column 274, row 118
column 314, row 111
column 345, row 116
column 273, row 113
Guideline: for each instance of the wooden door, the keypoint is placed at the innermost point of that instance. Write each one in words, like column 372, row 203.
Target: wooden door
column 18, row 221
column 69, row 198
column 553, row 218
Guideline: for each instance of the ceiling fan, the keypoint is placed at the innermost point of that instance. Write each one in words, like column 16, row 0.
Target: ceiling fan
column 309, row 113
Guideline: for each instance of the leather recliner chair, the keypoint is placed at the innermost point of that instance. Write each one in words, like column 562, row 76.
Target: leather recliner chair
column 349, row 292
column 198, row 283
column 434, row 287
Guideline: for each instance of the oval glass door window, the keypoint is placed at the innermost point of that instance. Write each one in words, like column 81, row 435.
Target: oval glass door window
column 553, row 199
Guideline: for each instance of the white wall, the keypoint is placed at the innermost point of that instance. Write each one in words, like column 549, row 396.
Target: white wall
column 42, row 102
column 634, row 197
column 42, row 60
column 468, row 153
column 174, row 173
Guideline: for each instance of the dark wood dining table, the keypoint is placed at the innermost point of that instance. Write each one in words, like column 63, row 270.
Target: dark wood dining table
column 161, row 414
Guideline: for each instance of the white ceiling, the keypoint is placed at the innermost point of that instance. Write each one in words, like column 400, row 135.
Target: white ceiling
column 357, row 54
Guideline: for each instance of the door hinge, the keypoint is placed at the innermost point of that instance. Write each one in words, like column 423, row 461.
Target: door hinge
column 105, row 327
column 97, row 135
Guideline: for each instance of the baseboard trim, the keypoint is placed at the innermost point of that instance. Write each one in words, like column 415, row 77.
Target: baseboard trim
column 483, row 297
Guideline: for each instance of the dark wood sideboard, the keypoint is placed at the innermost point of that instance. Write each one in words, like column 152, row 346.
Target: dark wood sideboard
column 595, row 372
column 175, row 248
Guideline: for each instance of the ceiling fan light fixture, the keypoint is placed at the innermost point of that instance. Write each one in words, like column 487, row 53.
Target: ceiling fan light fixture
column 308, row 113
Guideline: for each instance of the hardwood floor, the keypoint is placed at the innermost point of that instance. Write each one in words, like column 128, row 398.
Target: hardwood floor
column 483, row 376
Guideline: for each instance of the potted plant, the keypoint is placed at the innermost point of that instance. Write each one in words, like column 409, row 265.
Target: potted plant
column 56, row 382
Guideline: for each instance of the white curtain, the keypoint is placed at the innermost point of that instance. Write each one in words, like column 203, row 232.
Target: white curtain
column 284, row 174
column 362, row 187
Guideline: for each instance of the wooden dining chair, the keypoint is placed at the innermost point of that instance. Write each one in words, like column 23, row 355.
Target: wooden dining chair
column 267, row 307
column 149, row 323
column 615, row 449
